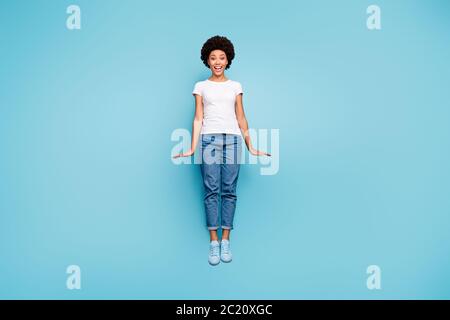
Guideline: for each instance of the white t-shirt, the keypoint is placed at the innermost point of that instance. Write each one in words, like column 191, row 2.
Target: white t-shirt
column 219, row 98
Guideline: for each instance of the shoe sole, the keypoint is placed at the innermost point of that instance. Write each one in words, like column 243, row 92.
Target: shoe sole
column 214, row 264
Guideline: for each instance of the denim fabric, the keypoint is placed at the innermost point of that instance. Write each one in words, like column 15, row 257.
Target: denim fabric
column 221, row 159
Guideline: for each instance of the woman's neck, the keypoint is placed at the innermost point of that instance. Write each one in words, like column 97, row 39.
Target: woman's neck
column 215, row 78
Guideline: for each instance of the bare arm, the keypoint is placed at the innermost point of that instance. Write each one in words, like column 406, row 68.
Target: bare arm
column 197, row 123
column 196, row 127
column 243, row 125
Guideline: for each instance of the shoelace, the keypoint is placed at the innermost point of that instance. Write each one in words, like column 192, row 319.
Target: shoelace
column 214, row 250
column 225, row 247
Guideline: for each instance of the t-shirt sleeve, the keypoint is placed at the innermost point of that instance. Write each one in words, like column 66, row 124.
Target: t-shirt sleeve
column 238, row 89
column 198, row 89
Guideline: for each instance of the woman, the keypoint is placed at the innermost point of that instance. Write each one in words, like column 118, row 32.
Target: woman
column 220, row 120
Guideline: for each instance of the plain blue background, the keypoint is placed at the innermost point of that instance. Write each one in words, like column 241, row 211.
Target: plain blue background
column 86, row 175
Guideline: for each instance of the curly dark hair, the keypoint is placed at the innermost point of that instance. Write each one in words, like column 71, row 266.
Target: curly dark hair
column 217, row 43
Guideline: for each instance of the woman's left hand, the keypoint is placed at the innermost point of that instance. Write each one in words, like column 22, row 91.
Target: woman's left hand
column 259, row 153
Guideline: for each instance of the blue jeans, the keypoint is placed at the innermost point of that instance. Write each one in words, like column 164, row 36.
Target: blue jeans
column 221, row 158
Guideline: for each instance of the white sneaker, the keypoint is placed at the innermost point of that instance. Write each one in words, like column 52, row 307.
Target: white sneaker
column 225, row 251
column 213, row 257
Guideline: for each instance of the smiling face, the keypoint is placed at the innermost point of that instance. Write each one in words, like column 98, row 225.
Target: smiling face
column 217, row 62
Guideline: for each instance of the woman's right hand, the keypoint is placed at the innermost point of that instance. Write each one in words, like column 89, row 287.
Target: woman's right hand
column 184, row 154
